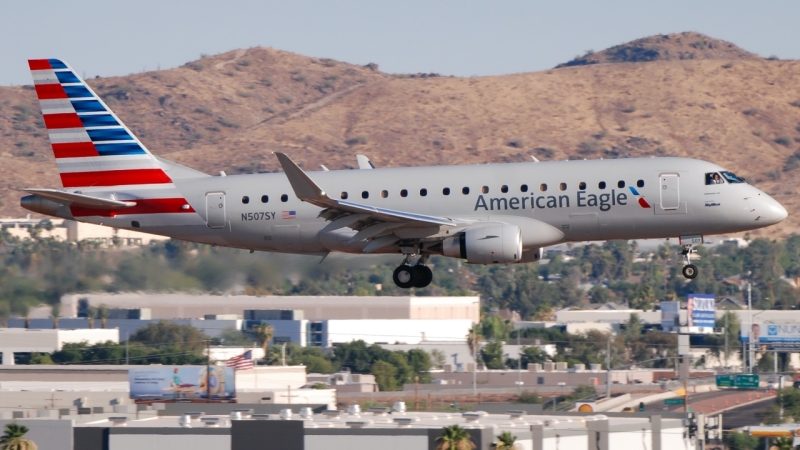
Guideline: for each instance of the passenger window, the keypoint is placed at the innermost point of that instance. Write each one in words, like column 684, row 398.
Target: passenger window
column 264, row 198
column 284, row 198
column 403, row 193
column 601, row 185
column 582, row 186
column 640, row 183
column 523, row 188
column 423, row 192
column 446, row 191
column 485, row 189
column 365, row 194
column 465, row 190
column 562, row 186
column 543, row 187
column 714, row 178
column 620, row 184
column 504, row 189
column 384, row 194
column 343, row 195
column 245, row 199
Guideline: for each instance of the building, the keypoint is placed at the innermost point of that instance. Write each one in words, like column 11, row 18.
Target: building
column 167, row 306
column 127, row 327
column 21, row 340
column 301, row 428
column 72, row 231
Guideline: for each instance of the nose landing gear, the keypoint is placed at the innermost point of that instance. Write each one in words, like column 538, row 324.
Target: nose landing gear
column 413, row 274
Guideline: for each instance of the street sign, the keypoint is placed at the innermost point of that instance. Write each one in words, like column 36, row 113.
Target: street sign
column 673, row 401
column 740, row 380
column 725, row 381
column 746, row 380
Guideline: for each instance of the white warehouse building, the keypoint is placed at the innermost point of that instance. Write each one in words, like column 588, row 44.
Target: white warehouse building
column 21, row 340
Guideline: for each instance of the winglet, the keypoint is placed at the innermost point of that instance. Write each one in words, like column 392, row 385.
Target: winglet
column 304, row 187
column 364, row 162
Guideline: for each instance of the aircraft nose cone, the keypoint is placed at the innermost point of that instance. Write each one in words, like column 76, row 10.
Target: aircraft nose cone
column 775, row 212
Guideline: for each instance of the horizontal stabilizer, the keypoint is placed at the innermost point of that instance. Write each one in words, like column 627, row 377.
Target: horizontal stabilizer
column 86, row 201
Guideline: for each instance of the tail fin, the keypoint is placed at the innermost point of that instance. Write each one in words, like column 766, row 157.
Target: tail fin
column 91, row 145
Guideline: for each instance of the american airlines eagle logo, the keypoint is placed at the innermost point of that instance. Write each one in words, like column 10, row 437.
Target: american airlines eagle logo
column 642, row 202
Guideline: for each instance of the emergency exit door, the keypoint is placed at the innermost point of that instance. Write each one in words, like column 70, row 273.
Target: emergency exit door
column 215, row 210
column 670, row 191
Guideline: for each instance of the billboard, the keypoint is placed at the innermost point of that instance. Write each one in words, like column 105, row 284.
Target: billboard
column 700, row 309
column 670, row 314
column 181, row 382
column 774, row 335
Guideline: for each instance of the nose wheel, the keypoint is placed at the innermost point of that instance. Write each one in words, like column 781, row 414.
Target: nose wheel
column 410, row 275
column 689, row 270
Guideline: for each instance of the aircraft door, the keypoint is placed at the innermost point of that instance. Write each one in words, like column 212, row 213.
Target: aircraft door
column 670, row 191
column 215, row 210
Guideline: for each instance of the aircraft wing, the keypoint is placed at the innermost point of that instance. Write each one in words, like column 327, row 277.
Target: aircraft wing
column 70, row 198
column 343, row 213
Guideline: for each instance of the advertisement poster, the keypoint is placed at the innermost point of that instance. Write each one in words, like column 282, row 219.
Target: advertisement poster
column 670, row 314
column 773, row 335
column 181, row 382
column 700, row 309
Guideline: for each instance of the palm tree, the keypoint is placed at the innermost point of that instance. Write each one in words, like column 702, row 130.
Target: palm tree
column 474, row 339
column 506, row 441
column 14, row 438
column 454, row 438
column 783, row 443
column 264, row 333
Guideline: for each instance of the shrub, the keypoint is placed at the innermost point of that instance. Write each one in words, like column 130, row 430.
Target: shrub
column 795, row 103
column 792, row 162
column 244, row 62
column 243, row 94
column 23, row 112
column 266, row 82
column 774, row 175
column 757, row 133
column 202, row 111
column 285, row 99
column 750, row 112
column 299, row 78
column 628, row 109
column 773, row 58
column 783, row 140
column 226, row 123
column 358, row 140
column 516, row 143
column 196, row 66
column 545, row 152
column 727, row 65
column 529, row 397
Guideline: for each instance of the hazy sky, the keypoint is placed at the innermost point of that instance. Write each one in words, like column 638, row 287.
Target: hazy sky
column 463, row 37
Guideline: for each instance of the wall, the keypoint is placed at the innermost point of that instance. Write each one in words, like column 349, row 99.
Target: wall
column 169, row 439
column 386, row 442
column 127, row 327
column 391, row 331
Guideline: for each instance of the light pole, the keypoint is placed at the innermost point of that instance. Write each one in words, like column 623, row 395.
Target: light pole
column 750, row 347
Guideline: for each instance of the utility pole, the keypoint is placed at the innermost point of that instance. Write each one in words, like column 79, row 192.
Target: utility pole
column 608, row 368
column 519, row 365
column 127, row 342
column 726, row 340
column 208, row 371
column 475, row 356
column 751, row 348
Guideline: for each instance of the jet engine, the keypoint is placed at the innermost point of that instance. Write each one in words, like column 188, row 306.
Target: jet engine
column 488, row 244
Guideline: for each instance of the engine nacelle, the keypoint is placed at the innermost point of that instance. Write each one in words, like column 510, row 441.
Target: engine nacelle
column 489, row 244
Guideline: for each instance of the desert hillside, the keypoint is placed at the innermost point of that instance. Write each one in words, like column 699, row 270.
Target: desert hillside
column 229, row 111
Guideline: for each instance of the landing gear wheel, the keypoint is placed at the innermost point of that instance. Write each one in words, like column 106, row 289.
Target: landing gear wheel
column 690, row 271
column 425, row 276
column 405, row 276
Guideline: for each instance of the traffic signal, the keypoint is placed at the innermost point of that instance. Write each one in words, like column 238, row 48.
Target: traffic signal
column 641, row 406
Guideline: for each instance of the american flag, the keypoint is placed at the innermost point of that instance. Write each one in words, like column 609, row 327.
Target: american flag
column 289, row 215
column 242, row 362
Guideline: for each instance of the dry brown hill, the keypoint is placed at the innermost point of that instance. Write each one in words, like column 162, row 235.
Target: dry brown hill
column 665, row 47
column 229, row 111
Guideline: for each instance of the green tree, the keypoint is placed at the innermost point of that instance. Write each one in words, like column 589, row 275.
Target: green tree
column 529, row 397
column 737, row 440
column 14, row 438
column 533, row 355
column 492, row 355
column 507, row 441
column 165, row 334
column 454, row 437
column 264, row 333
column 384, row 373
column 493, row 327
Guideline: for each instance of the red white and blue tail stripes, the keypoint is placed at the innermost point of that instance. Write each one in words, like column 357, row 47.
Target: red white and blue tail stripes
column 95, row 152
column 91, row 145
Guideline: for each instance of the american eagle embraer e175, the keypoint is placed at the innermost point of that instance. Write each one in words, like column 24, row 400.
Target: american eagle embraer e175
column 485, row 214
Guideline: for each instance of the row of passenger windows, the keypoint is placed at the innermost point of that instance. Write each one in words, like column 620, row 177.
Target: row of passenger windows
column 465, row 190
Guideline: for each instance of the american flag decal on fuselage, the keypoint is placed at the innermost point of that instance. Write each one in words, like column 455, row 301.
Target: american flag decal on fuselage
column 289, row 215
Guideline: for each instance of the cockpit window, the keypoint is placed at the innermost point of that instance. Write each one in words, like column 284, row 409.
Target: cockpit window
column 714, row 178
column 731, row 177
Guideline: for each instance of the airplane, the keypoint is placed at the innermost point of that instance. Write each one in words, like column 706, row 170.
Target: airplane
column 483, row 214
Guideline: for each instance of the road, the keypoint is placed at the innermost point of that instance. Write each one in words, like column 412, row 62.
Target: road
column 745, row 415
column 710, row 402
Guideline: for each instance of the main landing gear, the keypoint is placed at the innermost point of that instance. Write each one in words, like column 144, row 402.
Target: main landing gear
column 689, row 270
column 413, row 274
